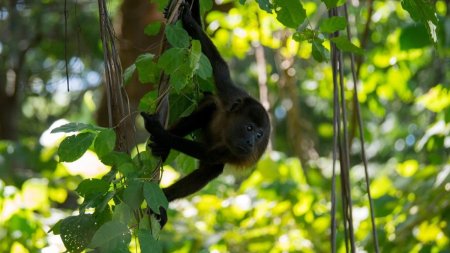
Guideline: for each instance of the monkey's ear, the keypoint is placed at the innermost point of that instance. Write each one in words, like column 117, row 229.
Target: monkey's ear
column 235, row 105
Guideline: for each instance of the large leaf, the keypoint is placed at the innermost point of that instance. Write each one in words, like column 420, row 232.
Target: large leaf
column 77, row 231
column 105, row 142
column 92, row 187
column 423, row 11
column 132, row 195
column 148, row 71
column 111, row 235
column 155, row 197
column 177, row 36
column 147, row 242
column 414, row 36
column 290, row 13
column 73, row 147
column 345, row 45
column 333, row 24
column 75, row 127
column 319, row 52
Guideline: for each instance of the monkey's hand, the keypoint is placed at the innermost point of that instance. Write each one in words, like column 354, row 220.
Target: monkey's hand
column 161, row 217
column 160, row 138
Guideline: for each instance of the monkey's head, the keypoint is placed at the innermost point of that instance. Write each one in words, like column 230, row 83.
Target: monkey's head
column 248, row 130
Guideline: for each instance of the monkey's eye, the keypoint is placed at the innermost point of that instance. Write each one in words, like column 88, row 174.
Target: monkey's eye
column 249, row 128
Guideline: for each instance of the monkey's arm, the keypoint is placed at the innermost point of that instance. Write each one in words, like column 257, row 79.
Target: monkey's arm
column 196, row 119
column 221, row 72
column 166, row 140
column 194, row 181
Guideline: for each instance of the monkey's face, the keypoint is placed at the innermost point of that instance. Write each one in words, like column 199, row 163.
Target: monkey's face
column 248, row 131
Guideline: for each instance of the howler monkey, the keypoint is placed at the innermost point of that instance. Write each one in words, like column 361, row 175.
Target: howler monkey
column 235, row 127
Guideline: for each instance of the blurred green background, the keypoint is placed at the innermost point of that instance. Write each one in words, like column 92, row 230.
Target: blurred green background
column 284, row 204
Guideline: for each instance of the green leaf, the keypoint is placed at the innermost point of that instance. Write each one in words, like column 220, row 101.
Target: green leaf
column 161, row 4
column 265, row 5
column 172, row 58
column 333, row 3
column 290, row 13
column 152, row 28
column 194, row 56
column 149, row 101
column 319, row 52
column 75, row 127
column 205, row 5
column 175, row 62
column 110, row 235
column 105, row 142
column 77, row 231
column 56, row 229
column 155, row 197
column 413, row 37
column 128, row 73
column 132, row 195
column 177, row 36
column 127, row 169
column 148, row 71
column 333, row 24
column 345, row 45
column 122, row 213
column 115, row 158
column 307, row 34
column 423, row 11
column 147, row 242
column 73, row 147
column 204, row 69
column 92, row 187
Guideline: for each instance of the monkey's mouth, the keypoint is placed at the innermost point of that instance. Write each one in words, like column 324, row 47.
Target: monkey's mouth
column 243, row 150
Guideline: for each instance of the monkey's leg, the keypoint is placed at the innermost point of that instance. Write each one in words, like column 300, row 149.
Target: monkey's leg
column 194, row 181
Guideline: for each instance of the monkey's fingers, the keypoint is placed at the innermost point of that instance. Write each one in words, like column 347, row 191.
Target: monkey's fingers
column 161, row 217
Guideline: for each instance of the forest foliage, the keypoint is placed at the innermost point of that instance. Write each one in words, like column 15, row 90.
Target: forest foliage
column 64, row 186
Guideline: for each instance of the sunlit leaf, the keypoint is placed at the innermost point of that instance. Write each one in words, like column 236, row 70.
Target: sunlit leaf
column 73, row 147
column 290, row 13
column 319, row 52
column 423, row 11
column 105, row 142
column 345, row 45
column 77, row 231
column 333, row 24
column 75, row 127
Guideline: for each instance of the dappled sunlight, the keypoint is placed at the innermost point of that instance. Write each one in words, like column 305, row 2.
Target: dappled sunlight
column 87, row 166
